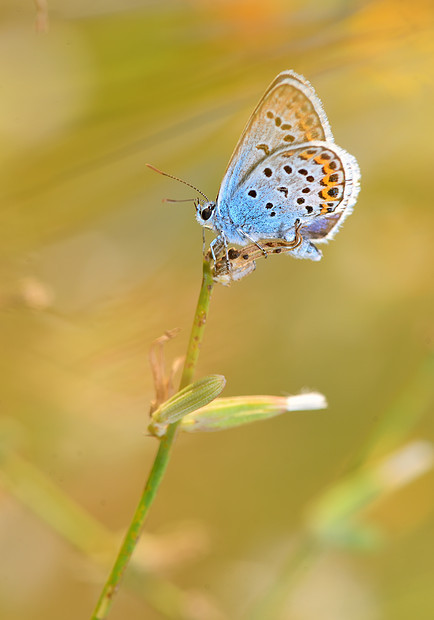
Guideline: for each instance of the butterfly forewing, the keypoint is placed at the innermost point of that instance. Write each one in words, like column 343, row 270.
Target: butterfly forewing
column 288, row 114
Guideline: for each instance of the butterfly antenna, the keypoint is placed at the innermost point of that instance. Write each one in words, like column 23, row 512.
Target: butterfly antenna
column 177, row 200
column 165, row 174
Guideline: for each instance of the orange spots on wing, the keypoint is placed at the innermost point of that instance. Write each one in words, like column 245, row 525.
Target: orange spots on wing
column 331, row 181
column 306, row 155
column 320, row 160
column 329, row 167
column 323, row 193
column 310, row 124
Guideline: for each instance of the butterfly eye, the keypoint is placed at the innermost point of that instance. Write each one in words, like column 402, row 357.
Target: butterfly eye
column 206, row 213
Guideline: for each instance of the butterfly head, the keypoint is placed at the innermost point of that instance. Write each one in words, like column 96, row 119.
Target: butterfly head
column 205, row 213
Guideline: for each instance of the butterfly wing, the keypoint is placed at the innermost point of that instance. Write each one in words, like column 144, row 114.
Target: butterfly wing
column 315, row 183
column 289, row 113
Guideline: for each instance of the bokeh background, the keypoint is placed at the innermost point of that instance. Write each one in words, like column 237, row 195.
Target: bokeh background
column 94, row 267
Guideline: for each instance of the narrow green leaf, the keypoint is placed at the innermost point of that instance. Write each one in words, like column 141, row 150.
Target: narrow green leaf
column 225, row 413
column 187, row 400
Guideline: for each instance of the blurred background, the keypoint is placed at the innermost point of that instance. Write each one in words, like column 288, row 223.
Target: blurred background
column 94, row 267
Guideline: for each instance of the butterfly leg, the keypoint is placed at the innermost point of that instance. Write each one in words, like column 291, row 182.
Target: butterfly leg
column 246, row 236
column 221, row 243
column 217, row 245
column 303, row 248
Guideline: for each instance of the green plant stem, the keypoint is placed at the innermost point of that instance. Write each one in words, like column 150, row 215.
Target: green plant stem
column 162, row 457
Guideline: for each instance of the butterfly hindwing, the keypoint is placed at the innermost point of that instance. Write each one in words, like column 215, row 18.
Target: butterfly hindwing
column 315, row 183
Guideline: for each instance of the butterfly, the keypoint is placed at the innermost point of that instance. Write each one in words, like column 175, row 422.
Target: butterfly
column 286, row 178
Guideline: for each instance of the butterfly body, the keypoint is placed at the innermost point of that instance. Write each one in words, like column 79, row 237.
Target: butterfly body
column 286, row 173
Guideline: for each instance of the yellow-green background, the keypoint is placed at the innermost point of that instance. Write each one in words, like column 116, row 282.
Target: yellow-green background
column 94, row 267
